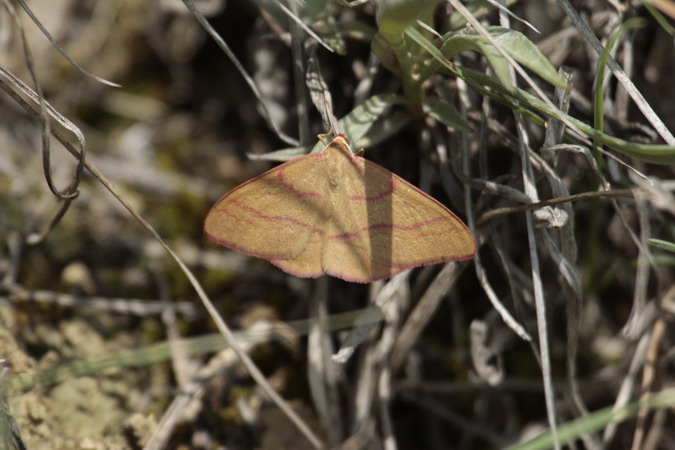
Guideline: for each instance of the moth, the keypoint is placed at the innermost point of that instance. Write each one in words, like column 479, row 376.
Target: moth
column 338, row 214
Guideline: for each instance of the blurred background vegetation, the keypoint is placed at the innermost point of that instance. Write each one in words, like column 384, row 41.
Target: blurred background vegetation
column 105, row 343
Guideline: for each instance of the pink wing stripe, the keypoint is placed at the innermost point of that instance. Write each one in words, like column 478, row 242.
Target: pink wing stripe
column 344, row 236
column 290, row 187
column 382, row 194
column 383, row 226
column 411, row 227
column 263, row 216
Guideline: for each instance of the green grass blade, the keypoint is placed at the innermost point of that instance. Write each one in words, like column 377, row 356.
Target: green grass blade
column 597, row 421
column 659, row 154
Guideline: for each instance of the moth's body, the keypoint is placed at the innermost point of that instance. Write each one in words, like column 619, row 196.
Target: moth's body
column 338, row 214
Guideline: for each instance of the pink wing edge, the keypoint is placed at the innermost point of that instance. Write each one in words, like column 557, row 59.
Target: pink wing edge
column 398, row 268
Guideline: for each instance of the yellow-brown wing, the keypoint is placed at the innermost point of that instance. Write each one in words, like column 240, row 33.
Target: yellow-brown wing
column 275, row 215
column 307, row 264
column 382, row 225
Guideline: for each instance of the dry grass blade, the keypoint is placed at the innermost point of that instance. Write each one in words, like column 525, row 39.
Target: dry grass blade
column 60, row 49
column 102, row 335
column 423, row 312
column 530, row 190
column 648, row 376
column 318, row 90
column 249, row 80
column 504, row 9
column 186, row 406
column 534, row 86
column 481, row 274
column 496, row 212
column 300, row 23
column 627, row 84
column 137, row 307
column 628, row 384
column 71, row 191
column 322, row 372
column 213, row 312
column 368, row 320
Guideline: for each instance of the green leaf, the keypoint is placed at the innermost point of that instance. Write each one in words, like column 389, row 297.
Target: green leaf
column 478, row 9
column 383, row 129
column 357, row 123
column 445, row 113
column 394, row 16
column 318, row 15
column 285, row 154
column 656, row 14
column 321, row 16
column 598, row 420
column 381, row 48
column 598, row 104
column 659, row 154
column 670, row 246
column 515, row 44
column 365, row 126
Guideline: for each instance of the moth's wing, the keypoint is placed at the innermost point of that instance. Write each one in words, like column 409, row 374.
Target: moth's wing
column 275, row 215
column 346, row 251
column 425, row 230
column 398, row 227
column 307, row 264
